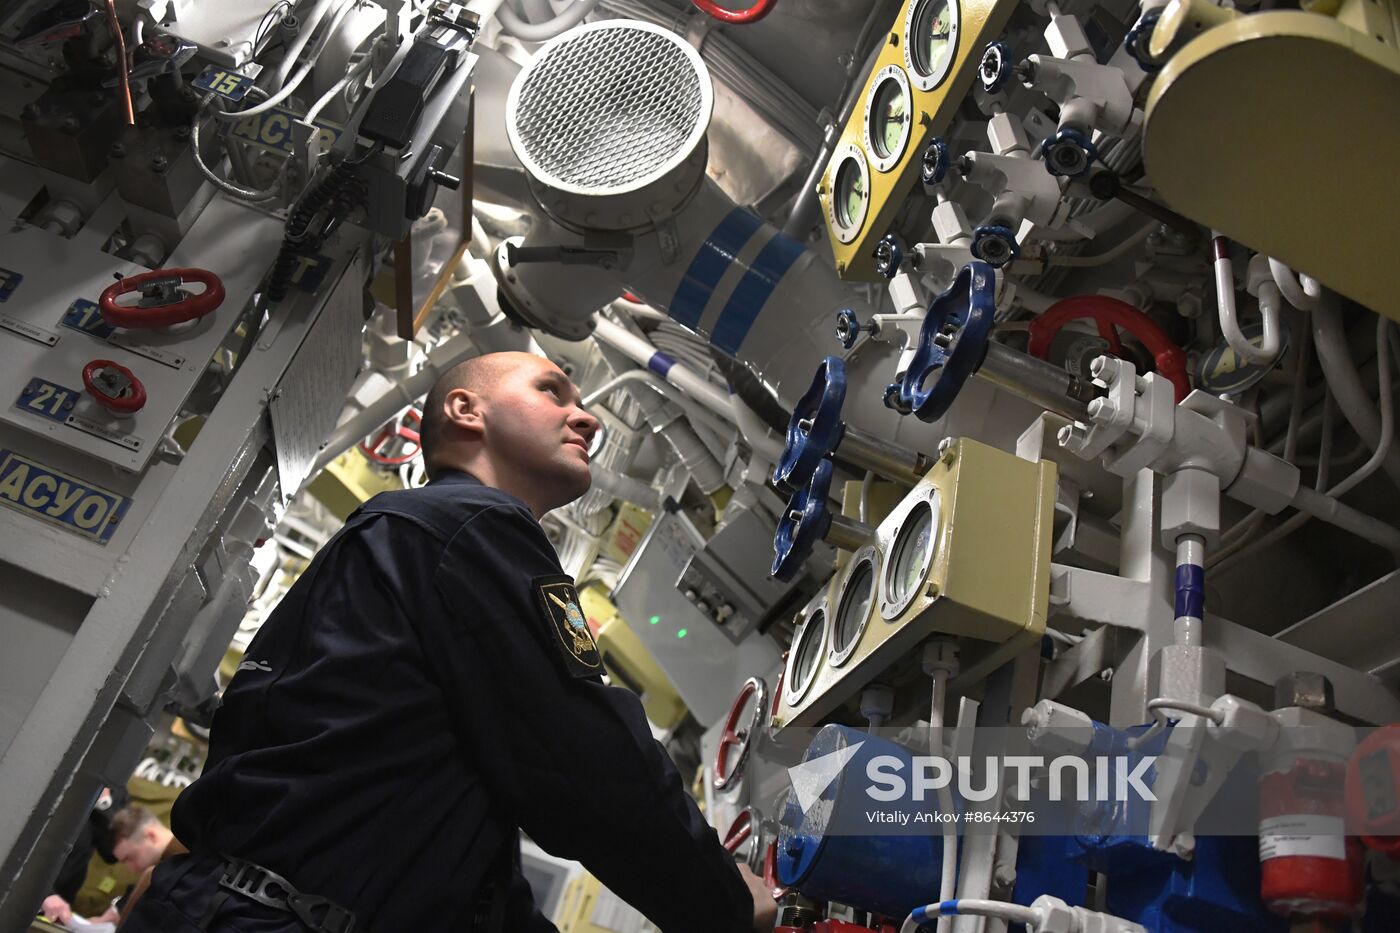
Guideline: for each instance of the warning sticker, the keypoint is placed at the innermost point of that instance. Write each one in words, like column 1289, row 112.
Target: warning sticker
column 1310, row 834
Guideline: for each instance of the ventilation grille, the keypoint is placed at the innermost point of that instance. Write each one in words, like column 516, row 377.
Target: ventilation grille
column 609, row 107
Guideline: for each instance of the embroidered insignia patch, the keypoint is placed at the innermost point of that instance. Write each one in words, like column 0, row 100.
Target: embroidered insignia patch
column 559, row 600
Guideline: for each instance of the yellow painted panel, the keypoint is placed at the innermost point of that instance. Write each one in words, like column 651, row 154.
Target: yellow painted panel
column 980, row 21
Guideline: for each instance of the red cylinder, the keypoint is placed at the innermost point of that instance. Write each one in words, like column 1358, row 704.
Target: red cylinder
column 1308, row 865
column 1373, row 791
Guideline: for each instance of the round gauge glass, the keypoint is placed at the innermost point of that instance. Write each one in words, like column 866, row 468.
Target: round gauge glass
column 854, row 610
column 931, row 41
column 913, row 552
column 889, row 119
column 852, row 194
column 808, row 652
column 889, row 111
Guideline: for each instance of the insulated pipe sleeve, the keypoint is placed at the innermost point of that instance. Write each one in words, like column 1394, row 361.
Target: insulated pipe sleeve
column 1352, row 397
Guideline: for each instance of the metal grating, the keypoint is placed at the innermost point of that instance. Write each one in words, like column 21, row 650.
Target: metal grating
column 609, row 107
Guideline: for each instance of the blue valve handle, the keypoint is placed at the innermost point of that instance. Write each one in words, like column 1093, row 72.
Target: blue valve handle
column 1135, row 44
column 795, row 537
column 995, row 66
column 1068, row 138
column 889, row 253
column 952, row 342
column 807, row 447
column 1002, row 240
column 847, row 328
column 933, row 167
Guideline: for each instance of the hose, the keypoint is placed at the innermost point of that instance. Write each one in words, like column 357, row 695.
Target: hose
column 541, row 32
column 223, row 184
column 1352, row 398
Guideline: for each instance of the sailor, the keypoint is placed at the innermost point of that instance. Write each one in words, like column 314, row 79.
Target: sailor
column 427, row 689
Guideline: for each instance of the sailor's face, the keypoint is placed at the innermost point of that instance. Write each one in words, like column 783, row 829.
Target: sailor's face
column 537, row 425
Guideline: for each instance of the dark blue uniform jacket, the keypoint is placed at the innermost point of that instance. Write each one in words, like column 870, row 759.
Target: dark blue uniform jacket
column 416, row 698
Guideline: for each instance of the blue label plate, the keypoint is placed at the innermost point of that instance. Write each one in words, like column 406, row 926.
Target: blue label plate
column 229, row 85
column 9, row 281
column 272, row 129
column 83, row 315
column 48, row 400
column 74, row 505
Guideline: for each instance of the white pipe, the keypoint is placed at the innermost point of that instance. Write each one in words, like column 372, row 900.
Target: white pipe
column 541, row 32
column 308, row 28
column 1100, row 259
column 398, row 397
column 1269, row 348
column 761, row 440
column 1352, row 397
column 642, row 352
column 666, row 391
column 1269, row 307
column 1302, row 296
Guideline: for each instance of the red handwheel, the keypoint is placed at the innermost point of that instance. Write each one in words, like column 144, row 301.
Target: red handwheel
column 753, row 14
column 1109, row 314
column 729, row 767
column 739, row 831
column 163, row 302
column 114, row 387
column 395, row 431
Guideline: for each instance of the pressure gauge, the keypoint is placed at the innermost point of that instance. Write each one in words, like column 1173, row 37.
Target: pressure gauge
column 911, row 555
column 888, row 114
column 806, row 654
column 850, row 193
column 930, row 41
column 853, row 607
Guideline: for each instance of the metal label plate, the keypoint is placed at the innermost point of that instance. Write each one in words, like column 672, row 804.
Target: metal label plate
column 97, row 429
column 59, row 499
column 38, row 334
column 229, row 85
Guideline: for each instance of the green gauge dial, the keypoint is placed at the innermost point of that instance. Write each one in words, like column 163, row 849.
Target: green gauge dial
column 851, row 194
column 931, row 41
column 890, row 119
column 933, row 36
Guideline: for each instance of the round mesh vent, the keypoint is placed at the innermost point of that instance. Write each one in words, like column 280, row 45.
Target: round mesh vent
column 609, row 107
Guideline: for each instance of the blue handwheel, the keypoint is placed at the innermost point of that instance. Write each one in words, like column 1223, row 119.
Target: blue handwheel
column 1069, row 153
column 952, row 342
column 821, row 408
column 1135, row 43
column 795, row 538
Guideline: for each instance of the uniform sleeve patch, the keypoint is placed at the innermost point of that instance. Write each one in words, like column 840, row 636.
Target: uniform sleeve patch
column 559, row 601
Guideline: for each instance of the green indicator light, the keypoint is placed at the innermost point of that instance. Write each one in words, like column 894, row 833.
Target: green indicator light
column 681, row 633
column 654, row 619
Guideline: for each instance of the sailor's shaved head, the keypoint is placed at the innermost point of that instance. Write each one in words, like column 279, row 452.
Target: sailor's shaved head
column 477, row 375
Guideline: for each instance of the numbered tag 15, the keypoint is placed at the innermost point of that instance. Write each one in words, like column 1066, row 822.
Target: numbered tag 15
column 227, row 84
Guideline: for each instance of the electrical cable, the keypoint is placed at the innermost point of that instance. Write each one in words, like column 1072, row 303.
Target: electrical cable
column 999, row 910
column 306, row 30
column 295, row 81
column 238, row 191
column 359, row 69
